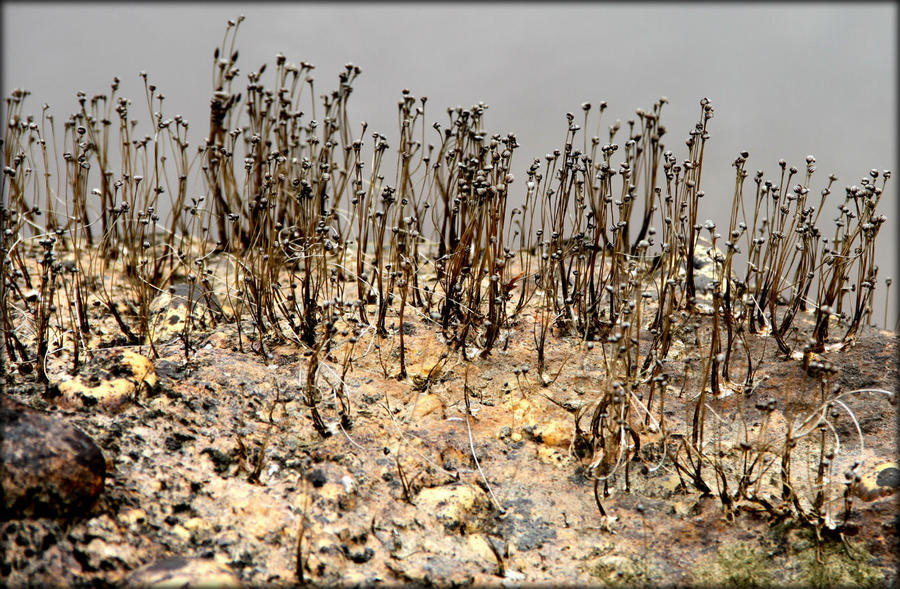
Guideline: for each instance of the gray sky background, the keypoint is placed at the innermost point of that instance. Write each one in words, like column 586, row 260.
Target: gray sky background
column 786, row 80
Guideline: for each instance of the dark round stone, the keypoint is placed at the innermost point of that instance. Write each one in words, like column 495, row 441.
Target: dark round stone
column 889, row 477
column 317, row 478
column 48, row 468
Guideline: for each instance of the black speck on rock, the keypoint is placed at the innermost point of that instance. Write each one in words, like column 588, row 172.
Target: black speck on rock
column 177, row 440
column 221, row 461
column 182, row 508
column 579, row 476
column 244, row 561
column 317, row 478
column 358, row 556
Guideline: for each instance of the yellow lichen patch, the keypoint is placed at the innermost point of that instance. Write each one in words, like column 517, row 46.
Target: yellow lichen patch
column 456, row 506
column 553, row 456
column 248, row 504
column 521, row 409
column 194, row 524
column 183, row 534
column 110, row 381
column 556, row 433
column 424, row 359
column 478, row 543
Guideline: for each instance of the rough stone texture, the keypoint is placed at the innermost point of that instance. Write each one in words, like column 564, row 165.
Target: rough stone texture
column 35, row 553
column 225, row 464
column 111, row 380
column 48, row 468
column 458, row 507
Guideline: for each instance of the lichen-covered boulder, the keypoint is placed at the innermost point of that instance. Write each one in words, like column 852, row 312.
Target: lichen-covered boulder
column 48, row 468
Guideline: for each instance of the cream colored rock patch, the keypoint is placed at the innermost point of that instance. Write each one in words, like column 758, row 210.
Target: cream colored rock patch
column 111, row 380
column 556, row 433
column 426, row 405
column 456, row 506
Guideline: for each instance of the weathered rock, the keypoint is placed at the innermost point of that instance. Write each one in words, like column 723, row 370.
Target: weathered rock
column 98, row 555
column 556, row 432
column 182, row 308
column 882, row 481
column 426, row 405
column 36, row 553
column 48, row 468
column 458, row 507
column 110, row 380
column 183, row 573
column 616, row 569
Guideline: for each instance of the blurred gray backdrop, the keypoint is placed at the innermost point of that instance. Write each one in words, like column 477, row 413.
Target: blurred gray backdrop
column 786, row 80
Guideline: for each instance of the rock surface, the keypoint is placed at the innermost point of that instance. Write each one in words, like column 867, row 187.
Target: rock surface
column 48, row 468
column 225, row 464
column 111, row 380
column 35, row 553
column 183, row 573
